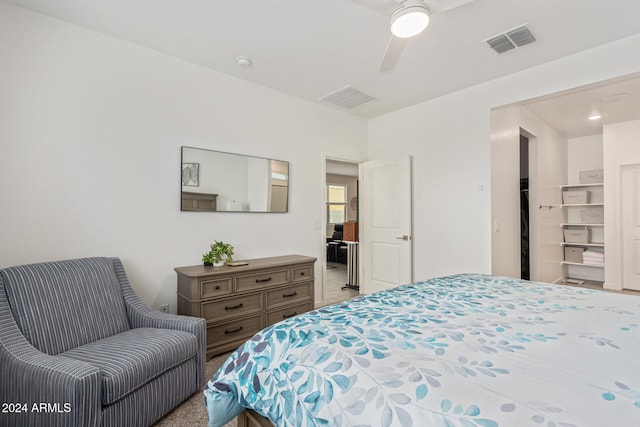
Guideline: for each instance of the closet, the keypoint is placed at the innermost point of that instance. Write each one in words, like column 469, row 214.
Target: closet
column 591, row 236
column 583, row 212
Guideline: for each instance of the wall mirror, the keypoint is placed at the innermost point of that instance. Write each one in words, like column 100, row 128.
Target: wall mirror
column 214, row 181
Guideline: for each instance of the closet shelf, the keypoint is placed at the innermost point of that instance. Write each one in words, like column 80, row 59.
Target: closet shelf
column 582, row 205
column 575, row 224
column 578, row 263
column 598, row 184
column 594, row 245
column 585, row 282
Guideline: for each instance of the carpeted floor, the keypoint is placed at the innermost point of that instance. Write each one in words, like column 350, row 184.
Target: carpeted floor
column 192, row 412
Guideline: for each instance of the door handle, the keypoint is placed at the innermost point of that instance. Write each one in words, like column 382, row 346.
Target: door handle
column 404, row 237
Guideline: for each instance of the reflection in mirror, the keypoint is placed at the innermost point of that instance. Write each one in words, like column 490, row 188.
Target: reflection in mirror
column 214, row 181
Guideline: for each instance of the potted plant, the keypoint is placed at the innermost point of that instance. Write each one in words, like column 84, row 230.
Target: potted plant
column 219, row 253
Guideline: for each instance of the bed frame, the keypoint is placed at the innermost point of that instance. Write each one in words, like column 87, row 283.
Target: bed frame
column 250, row 418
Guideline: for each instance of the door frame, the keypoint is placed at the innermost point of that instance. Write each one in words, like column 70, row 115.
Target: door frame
column 618, row 256
column 323, row 216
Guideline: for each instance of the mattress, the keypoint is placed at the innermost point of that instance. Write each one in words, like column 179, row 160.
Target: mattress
column 463, row 350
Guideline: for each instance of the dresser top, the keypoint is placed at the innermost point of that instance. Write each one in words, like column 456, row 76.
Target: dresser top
column 254, row 264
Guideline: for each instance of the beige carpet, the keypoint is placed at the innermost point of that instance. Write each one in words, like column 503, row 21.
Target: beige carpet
column 192, row 411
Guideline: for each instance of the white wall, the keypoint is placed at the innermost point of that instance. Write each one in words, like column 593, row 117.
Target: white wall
column 583, row 153
column 449, row 139
column 91, row 130
column 620, row 147
column 258, row 184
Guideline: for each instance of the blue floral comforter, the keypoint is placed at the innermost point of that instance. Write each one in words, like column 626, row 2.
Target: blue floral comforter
column 466, row 350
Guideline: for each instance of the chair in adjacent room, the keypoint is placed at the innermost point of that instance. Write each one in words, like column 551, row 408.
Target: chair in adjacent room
column 336, row 248
column 75, row 338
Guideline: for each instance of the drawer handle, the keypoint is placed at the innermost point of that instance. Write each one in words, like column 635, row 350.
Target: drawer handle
column 290, row 295
column 268, row 279
column 286, row 316
column 234, row 307
column 227, row 332
column 302, row 273
column 217, row 288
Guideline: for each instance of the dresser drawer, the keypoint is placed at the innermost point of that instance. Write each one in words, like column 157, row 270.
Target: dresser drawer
column 235, row 330
column 276, row 316
column 303, row 273
column 215, row 311
column 216, row 287
column 260, row 280
column 237, row 301
column 288, row 295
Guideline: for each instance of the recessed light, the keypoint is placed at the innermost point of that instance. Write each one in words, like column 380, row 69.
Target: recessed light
column 595, row 117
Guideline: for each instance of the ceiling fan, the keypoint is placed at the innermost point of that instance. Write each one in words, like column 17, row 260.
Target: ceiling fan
column 415, row 14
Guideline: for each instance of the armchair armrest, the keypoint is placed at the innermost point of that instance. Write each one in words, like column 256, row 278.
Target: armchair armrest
column 142, row 316
column 45, row 390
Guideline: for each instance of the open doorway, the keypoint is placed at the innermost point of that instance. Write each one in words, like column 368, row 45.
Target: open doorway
column 525, row 255
column 341, row 237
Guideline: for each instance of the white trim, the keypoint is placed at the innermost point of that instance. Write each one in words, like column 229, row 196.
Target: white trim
column 617, row 214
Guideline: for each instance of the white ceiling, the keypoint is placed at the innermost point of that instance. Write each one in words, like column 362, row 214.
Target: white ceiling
column 616, row 100
column 309, row 48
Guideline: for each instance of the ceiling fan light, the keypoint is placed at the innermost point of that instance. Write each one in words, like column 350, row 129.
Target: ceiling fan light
column 409, row 21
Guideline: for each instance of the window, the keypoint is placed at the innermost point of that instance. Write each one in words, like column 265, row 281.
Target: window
column 336, row 203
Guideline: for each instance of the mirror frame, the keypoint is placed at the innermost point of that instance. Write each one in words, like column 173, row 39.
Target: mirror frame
column 198, row 201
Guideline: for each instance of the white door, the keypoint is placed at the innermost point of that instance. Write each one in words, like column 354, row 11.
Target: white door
column 630, row 230
column 386, row 224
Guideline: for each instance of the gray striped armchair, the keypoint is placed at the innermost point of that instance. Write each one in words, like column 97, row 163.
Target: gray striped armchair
column 79, row 348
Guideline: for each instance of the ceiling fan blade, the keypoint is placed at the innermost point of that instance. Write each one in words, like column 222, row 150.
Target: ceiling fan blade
column 393, row 53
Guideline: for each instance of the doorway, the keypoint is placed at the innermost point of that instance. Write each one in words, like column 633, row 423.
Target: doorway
column 341, row 235
column 525, row 254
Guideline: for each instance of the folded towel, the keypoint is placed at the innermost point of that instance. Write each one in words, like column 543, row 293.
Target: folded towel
column 593, row 255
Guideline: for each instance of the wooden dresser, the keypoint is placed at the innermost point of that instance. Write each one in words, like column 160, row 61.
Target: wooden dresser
column 239, row 301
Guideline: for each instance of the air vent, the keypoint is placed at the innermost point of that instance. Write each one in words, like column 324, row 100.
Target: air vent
column 521, row 36
column 347, row 97
column 511, row 39
column 501, row 43
column 614, row 98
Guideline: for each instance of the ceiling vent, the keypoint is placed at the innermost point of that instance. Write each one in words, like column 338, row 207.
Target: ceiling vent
column 347, row 97
column 511, row 39
column 614, row 98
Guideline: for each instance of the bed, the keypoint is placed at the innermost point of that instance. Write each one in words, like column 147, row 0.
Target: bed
column 464, row 350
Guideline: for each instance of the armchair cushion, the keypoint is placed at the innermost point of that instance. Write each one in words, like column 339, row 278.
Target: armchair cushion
column 75, row 332
column 130, row 360
column 65, row 304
